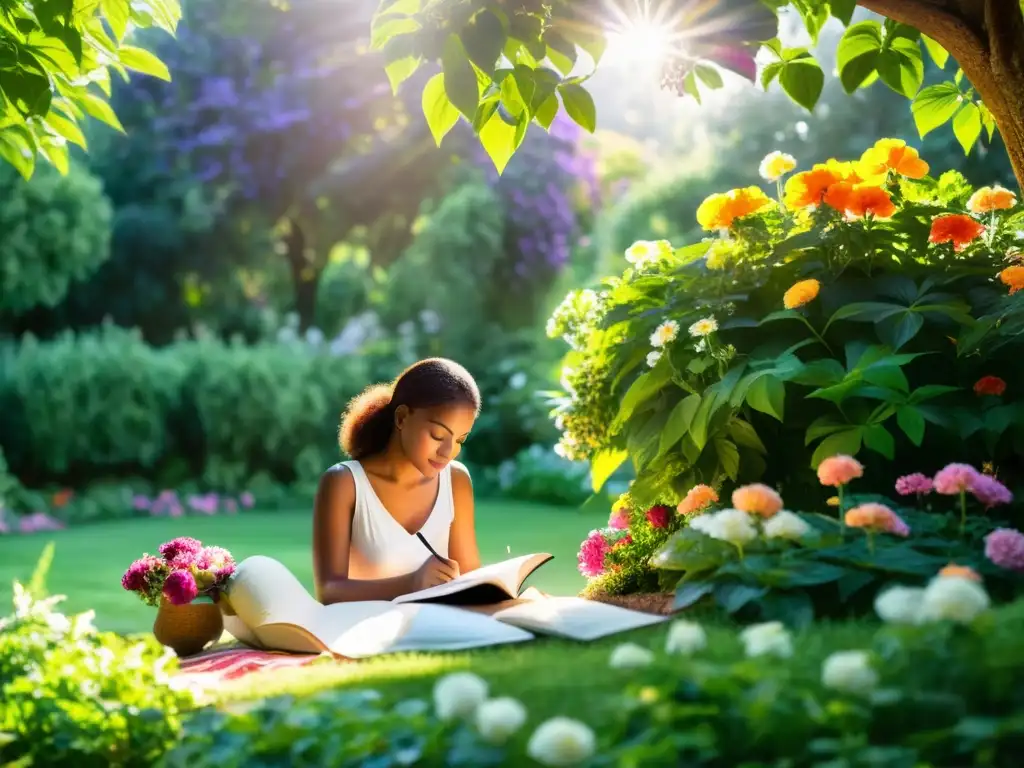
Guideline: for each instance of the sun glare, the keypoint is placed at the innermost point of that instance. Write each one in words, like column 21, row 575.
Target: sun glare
column 642, row 42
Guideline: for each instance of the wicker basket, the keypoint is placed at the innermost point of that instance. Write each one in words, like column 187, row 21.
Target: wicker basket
column 187, row 629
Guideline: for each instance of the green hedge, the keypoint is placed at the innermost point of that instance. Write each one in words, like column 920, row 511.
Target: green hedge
column 105, row 405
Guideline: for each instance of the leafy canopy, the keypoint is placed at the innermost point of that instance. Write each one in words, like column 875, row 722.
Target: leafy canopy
column 55, row 62
column 508, row 63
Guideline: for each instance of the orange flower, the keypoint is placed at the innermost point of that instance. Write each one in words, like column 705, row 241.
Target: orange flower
column 843, row 170
column 876, row 517
column 962, row 571
column 61, row 498
column 1013, row 277
column 867, row 200
column 801, row 293
column 699, row 497
column 839, row 470
column 721, row 210
column 955, row 228
column 838, row 196
column 809, row 188
column 891, row 155
column 757, row 499
column 989, row 385
column 988, row 199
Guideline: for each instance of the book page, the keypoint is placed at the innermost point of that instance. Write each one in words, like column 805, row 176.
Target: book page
column 507, row 576
column 574, row 618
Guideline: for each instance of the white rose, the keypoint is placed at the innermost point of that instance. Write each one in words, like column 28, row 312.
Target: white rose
column 900, row 605
column 785, row 525
column 458, row 694
column 731, row 525
column 561, row 741
column 685, row 638
column 630, row 655
column 953, row 598
column 850, row 672
column 767, row 639
column 497, row 719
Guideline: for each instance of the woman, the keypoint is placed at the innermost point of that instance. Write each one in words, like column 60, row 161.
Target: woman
column 402, row 480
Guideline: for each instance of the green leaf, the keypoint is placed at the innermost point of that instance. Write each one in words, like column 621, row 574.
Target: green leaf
column 911, row 422
column 767, row 395
column 441, row 114
column 890, row 376
column 901, row 67
column 939, row 54
column 967, row 126
column 603, row 466
column 117, row 13
column 857, row 54
column 547, row 112
column 733, row 597
column 822, row 426
column 770, row 72
column 645, row 385
column 64, row 127
column 825, row 372
column 935, row 106
column 708, row 75
column 484, row 38
column 400, row 70
column 689, row 593
column 864, row 311
column 501, row 140
column 18, row 149
column 929, row 391
column 803, row 80
column 143, row 61
column 579, row 105
column 843, row 9
column 678, row 422
column 728, row 456
column 897, row 330
column 561, row 52
column 781, row 314
column 743, row 433
column 847, row 442
column 878, row 439
column 100, row 109
column 461, row 83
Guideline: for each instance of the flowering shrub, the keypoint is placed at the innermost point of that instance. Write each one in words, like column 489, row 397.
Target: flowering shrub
column 74, row 696
column 184, row 571
column 755, row 559
column 866, row 309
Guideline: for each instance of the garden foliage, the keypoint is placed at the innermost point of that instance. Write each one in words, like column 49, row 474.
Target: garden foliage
column 75, row 696
column 861, row 311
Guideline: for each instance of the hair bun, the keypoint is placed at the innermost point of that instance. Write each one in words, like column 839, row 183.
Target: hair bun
column 365, row 418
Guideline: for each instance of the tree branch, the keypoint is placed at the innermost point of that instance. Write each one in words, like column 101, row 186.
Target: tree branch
column 1005, row 23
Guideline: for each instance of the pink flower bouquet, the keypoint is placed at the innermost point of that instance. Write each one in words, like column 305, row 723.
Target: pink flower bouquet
column 183, row 571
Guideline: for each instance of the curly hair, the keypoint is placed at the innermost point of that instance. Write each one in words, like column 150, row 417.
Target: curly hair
column 369, row 418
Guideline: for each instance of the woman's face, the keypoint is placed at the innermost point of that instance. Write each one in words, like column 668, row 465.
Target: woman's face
column 432, row 437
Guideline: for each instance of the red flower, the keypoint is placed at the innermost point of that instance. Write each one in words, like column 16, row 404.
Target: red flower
column 989, row 385
column 659, row 516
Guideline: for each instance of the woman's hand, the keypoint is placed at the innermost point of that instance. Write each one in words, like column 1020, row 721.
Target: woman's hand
column 434, row 572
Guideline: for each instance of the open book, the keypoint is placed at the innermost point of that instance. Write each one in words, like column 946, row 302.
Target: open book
column 486, row 585
column 267, row 607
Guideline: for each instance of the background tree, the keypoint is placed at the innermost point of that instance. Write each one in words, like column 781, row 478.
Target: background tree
column 284, row 117
column 509, row 64
column 55, row 62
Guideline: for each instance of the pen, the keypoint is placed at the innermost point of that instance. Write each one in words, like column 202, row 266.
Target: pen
column 426, row 544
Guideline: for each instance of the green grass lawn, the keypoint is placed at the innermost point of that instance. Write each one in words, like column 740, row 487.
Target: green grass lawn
column 89, row 559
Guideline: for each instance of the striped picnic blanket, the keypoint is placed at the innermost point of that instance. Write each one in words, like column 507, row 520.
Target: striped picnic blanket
column 230, row 662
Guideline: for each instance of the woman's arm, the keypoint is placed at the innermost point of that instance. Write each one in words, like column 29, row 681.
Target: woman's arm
column 332, row 538
column 462, row 547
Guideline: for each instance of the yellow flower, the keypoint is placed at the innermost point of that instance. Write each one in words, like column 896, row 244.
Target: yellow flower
column 988, row 199
column 891, row 155
column 810, row 187
column 721, row 210
column 1013, row 277
column 833, row 501
column 801, row 293
column 665, row 333
column 704, row 327
column 776, row 165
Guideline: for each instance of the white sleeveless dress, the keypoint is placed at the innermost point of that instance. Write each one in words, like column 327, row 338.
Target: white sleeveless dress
column 380, row 547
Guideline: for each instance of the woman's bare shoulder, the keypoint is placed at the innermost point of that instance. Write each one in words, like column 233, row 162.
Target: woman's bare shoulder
column 338, row 481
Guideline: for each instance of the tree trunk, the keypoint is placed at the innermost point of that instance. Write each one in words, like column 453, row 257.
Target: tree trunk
column 305, row 274
column 986, row 38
